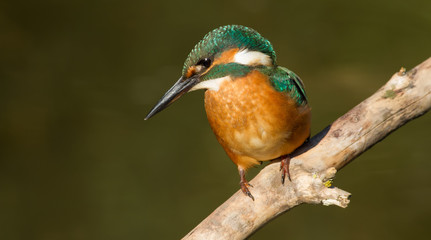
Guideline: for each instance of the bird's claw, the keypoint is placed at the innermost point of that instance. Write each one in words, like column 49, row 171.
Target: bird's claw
column 244, row 188
column 244, row 184
column 284, row 168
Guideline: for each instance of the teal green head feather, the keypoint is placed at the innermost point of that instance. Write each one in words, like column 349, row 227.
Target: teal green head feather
column 228, row 37
column 202, row 70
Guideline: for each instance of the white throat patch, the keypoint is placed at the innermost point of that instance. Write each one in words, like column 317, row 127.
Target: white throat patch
column 247, row 57
column 212, row 84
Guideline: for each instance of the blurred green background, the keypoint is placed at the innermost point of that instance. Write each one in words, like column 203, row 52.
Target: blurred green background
column 77, row 160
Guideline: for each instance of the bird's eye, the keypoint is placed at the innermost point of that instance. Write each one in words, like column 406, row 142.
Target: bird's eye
column 206, row 62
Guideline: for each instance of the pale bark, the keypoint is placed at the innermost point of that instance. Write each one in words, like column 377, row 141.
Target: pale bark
column 406, row 96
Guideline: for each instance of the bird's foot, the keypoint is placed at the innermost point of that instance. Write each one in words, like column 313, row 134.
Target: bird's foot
column 284, row 168
column 244, row 189
column 245, row 184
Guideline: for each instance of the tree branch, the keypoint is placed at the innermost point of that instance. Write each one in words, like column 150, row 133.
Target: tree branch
column 406, row 96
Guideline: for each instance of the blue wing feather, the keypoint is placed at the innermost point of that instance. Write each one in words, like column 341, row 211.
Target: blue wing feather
column 287, row 81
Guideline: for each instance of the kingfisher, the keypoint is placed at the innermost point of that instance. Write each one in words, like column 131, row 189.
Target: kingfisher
column 257, row 110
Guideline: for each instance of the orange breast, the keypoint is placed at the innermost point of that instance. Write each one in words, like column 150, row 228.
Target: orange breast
column 253, row 122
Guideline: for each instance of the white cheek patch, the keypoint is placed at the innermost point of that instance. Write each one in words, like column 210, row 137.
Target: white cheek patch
column 212, row 84
column 247, row 57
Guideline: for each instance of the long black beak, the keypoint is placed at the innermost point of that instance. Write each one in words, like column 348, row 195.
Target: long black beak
column 182, row 86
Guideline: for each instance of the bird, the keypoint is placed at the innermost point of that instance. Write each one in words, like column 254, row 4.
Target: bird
column 258, row 111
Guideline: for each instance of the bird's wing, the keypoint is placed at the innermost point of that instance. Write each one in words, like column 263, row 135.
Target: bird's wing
column 287, row 81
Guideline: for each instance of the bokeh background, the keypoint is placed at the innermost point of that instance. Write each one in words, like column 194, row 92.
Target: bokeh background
column 78, row 161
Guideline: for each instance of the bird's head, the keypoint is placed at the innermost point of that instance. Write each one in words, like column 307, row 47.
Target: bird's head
column 223, row 54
